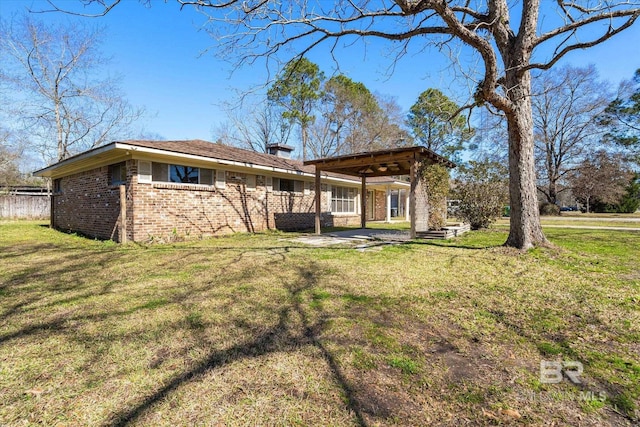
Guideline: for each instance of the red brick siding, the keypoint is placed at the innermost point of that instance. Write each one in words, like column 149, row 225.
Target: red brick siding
column 164, row 209
column 87, row 204
column 422, row 203
column 380, row 206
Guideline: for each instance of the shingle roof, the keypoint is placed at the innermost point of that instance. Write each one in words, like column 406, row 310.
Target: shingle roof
column 198, row 148
column 219, row 151
column 213, row 150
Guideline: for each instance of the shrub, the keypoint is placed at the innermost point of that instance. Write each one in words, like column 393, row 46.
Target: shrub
column 482, row 190
column 549, row 209
column 436, row 178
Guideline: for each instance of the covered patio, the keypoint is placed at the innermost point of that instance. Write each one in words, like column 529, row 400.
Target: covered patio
column 391, row 162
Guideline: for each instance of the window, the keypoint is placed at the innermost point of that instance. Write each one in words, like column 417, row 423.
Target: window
column 343, row 200
column 183, row 174
column 57, row 185
column 117, row 173
column 162, row 172
column 288, row 185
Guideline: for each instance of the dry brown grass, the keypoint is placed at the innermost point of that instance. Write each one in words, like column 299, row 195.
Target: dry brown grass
column 256, row 330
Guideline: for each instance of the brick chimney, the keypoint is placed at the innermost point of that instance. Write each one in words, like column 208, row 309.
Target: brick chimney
column 280, row 150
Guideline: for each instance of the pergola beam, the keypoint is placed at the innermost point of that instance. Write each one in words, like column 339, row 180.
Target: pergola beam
column 397, row 161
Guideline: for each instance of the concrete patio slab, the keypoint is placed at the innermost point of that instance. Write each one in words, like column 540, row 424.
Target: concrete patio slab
column 359, row 238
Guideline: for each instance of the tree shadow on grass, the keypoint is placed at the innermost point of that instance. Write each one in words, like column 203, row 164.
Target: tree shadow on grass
column 280, row 337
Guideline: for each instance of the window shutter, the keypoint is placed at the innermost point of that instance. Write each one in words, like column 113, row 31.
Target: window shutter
column 276, row 184
column 206, row 176
column 307, row 188
column 221, row 179
column 298, row 186
column 144, row 171
column 251, row 182
column 268, row 182
column 160, row 172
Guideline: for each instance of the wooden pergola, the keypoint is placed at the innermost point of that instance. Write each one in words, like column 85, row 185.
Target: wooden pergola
column 391, row 162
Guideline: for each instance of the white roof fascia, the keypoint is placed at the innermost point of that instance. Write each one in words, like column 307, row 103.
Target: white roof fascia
column 157, row 151
column 210, row 159
column 76, row 158
column 137, row 149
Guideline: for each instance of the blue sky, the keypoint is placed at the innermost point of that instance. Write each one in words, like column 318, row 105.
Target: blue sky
column 158, row 50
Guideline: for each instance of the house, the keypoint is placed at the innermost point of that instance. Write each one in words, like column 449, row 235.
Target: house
column 146, row 190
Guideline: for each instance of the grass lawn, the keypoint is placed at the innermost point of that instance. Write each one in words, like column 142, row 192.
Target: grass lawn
column 256, row 330
column 600, row 215
column 583, row 222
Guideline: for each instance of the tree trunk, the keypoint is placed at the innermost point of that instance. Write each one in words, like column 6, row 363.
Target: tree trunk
column 587, row 204
column 303, row 131
column 525, row 230
column 552, row 195
column 61, row 148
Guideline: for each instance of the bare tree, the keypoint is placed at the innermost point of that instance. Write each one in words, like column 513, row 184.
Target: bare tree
column 509, row 38
column 9, row 155
column 344, row 110
column 490, row 128
column 14, row 159
column 600, row 176
column 383, row 127
column 566, row 104
column 351, row 119
column 253, row 127
column 61, row 98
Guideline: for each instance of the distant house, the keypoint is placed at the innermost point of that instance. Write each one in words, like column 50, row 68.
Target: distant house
column 145, row 190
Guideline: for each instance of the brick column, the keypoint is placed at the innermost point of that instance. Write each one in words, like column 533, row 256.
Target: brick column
column 419, row 203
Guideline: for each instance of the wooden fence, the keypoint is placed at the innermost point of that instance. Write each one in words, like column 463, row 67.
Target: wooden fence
column 25, row 206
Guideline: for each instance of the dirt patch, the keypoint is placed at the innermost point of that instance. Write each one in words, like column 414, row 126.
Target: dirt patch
column 378, row 397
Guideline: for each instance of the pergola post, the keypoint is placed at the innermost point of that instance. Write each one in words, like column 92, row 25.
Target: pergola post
column 123, row 214
column 318, row 201
column 412, row 198
column 390, row 162
column 363, row 203
column 406, row 206
column 388, row 213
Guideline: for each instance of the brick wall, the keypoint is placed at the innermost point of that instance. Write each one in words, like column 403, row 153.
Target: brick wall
column 380, row 211
column 87, row 204
column 166, row 209
column 422, row 203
